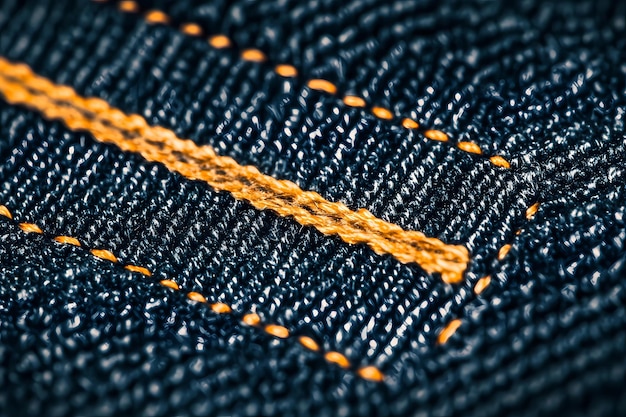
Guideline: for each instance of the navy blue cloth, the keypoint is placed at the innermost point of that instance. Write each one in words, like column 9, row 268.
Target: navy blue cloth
column 541, row 83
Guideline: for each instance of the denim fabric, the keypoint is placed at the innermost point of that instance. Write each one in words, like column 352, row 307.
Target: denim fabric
column 541, row 83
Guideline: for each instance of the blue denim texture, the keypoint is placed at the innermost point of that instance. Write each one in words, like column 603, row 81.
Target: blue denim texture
column 542, row 83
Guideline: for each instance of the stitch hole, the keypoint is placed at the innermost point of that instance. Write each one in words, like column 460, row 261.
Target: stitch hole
column 104, row 254
column 219, row 41
column 354, row 101
column 221, row 308
column 157, row 17
column 470, row 147
column 338, row 359
column 5, row 212
column 140, row 269
column 322, row 85
column 371, row 373
column 253, row 55
column 67, row 240
column 500, row 161
column 251, row 319
column 169, row 284
column 436, row 135
column 285, row 70
column 448, row 331
column 504, row 250
column 191, row 29
column 30, row 228
column 531, row 211
column 482, row 284
column 278, row 331
column 128, row 6
column 309, row 343
column 382, row 113
column 409, row 123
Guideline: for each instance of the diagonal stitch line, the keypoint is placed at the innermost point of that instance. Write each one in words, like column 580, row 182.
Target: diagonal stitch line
column 370, row 373
column 483, row 283
column 323, row 86
column 19, row 85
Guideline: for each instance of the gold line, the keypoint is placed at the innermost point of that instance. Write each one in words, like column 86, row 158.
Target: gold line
column 251, row 319
column 19, row 85
column 220, row 41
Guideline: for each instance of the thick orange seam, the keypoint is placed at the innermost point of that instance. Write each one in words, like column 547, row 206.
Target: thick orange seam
column 370, row 373
column 220, row 41
column 19, row 85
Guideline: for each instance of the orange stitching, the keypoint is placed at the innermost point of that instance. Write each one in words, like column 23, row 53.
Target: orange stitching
column 286, row 70
column 132, row 133
column 371, row 373
column 437, row 135
column 382, row 113
column 448, row 331
column 191, row 29
column 322, row 85
column 252, row 319
column 30, row 228
column 219, row 41
column 67, row 240
column 410, row 123
column 337, row 358
column 128, row 6
column 196, row 296
column 221, row 308
column 504, row 250
column 309, row 343
column 470, row 147
column 104, row 254
column 276, row 330
column 140, row 269
column 169, row 284
column 255, row 55
column 532, row 210
column 5, row 212
column 482, row 284
column 497, row 160
column 354, row 101
column 157, row 17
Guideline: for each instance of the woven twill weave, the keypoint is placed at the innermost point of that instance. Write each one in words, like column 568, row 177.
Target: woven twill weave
column 127, row 288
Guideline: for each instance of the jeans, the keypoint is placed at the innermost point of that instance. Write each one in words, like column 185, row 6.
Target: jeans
column 498, row 127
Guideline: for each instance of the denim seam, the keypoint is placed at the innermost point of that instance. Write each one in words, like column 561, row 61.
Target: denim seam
column 370, row 373
column 288, row 71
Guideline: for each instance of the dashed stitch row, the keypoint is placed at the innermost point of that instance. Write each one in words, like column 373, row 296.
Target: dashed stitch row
column 483, row 283
column 370, row 373
column 132, row 133
column 221, row 41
